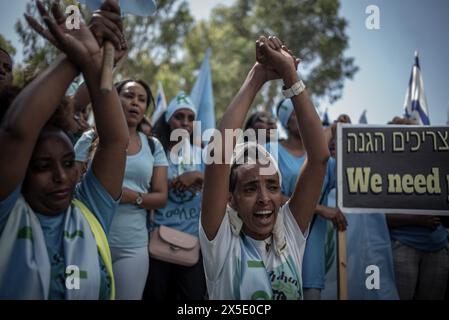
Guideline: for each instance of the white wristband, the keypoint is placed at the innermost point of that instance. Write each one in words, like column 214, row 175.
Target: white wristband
column 295, row 90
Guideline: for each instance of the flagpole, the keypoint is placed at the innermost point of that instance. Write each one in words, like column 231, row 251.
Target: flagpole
column 342, row 264
column 108, row 66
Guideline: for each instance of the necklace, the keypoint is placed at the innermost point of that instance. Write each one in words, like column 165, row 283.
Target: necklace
column 268, row 243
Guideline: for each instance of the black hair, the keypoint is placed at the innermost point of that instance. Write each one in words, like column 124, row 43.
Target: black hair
column 6, row 52
column 63, row 117
column 161, row 130
column 233, row 177
column 250, row 122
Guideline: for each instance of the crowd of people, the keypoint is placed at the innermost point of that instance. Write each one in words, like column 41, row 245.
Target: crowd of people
column 141, row 215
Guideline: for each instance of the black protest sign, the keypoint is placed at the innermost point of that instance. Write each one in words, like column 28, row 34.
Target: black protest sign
column 400, row 169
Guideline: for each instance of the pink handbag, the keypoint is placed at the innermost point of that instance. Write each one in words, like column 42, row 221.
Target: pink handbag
column 170, row 245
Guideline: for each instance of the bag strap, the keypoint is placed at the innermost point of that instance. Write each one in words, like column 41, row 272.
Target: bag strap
column 151, row 144
column 101, row 240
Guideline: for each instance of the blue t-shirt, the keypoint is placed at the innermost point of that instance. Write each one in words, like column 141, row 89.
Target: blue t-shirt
column 313, row 266
column 289, row 165
column 182, row 211
column 421, row 238
column 100, row 203
column 129, row 226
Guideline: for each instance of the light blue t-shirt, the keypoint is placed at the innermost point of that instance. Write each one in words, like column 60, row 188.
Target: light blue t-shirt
column 182, row 211
column 289, row 165
column 100, row 203
column 129, row 226
column 313, row 267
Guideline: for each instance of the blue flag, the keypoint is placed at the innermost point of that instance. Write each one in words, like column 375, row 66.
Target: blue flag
column 161, row 104
column 203, row 97
column 415, row 105
column 362, row 119
column 142, row 8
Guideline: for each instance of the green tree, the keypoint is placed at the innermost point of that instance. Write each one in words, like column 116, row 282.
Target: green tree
column 155, row 43
column 169, row 46
column 6, row 45
column 311, row 28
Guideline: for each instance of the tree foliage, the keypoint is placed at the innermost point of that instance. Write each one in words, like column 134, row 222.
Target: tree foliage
column 7, row 45
column 170, row 45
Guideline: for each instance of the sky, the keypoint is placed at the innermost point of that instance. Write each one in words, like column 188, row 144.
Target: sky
column 385, row 56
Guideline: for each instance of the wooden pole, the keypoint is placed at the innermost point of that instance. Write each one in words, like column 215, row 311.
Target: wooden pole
column 108, row 66
column 342, row 279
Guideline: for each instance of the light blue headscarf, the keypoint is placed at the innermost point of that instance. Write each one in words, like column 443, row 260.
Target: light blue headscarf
column 181, row 101
column 285, row 110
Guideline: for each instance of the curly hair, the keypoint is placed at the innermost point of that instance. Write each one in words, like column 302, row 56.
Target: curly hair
column 63, row 117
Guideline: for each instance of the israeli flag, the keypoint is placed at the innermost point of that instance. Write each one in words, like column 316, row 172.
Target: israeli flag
column 161, row 104
column 362, row 119
column 142, row 8
column 415, row 105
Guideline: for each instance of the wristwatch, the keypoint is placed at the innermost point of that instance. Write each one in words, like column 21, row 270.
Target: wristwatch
column 295, row 90
column 139, row 199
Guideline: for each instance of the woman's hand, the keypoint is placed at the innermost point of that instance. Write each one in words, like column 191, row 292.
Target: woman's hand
column 275, row 57
column 335, row 215
column 80, row 45
column 107, row 23
column 128, row 196
column 188, row 181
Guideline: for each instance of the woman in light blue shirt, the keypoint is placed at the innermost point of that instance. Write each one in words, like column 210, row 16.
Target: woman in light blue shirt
column 144, row 188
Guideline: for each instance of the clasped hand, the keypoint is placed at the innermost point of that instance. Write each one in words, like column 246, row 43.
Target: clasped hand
column 82, row 45
column 274, row 58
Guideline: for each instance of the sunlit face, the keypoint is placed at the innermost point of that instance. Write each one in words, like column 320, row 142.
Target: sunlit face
column 52, row 176
column 5, row 70
column 182, row 119
column 257, row 199
column 134, row 102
